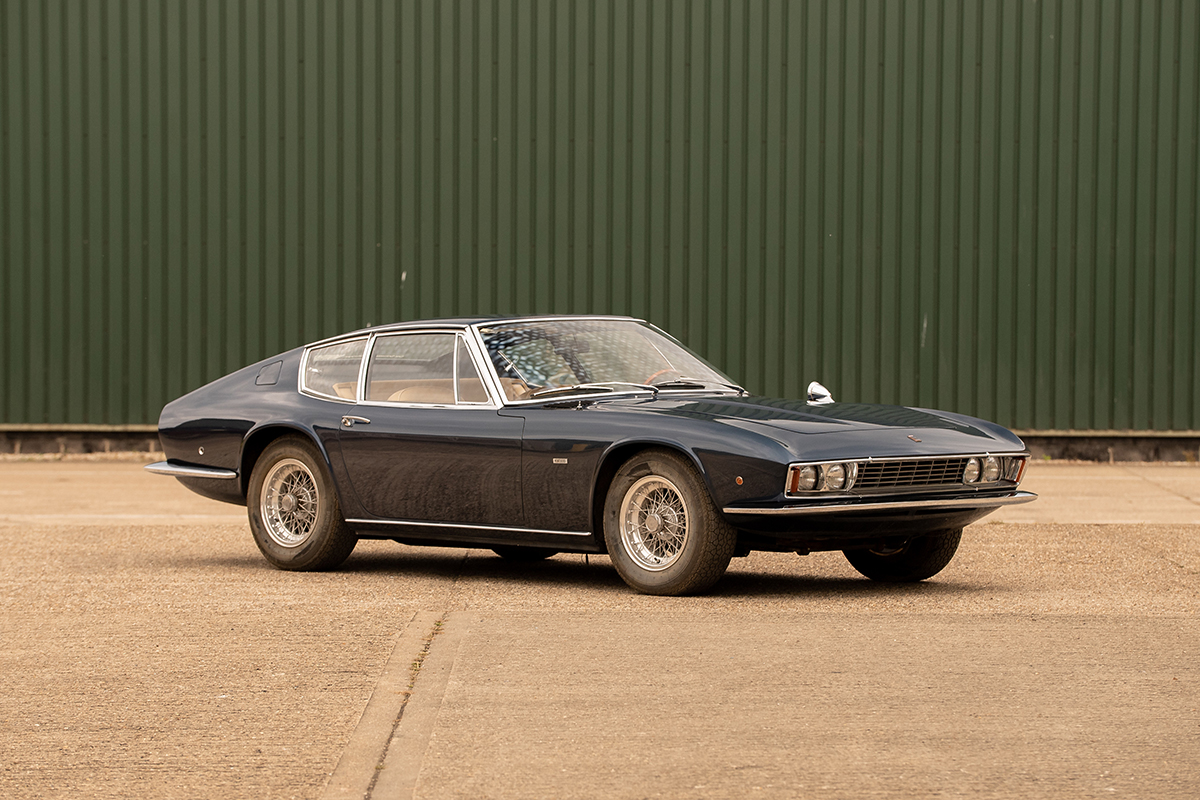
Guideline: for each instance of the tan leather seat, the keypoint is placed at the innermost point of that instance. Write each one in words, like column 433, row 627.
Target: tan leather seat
column 425, row 393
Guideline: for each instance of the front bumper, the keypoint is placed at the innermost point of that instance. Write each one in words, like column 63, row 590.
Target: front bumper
column 886, row 507
column 852, row 522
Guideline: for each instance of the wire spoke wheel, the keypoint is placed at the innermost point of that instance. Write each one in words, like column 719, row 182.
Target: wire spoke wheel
column 654, row 523
column 663, row 532
column 290, row 503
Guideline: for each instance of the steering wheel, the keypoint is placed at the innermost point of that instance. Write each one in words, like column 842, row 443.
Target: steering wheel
column 649, row 381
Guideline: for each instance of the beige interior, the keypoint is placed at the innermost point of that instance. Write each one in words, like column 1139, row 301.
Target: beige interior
column 434, row 390
column 347, row 390
column 431, row 390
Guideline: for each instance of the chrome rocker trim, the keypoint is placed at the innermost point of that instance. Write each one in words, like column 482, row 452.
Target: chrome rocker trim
column 910, row 505
column 462, row 525
column 177, row 471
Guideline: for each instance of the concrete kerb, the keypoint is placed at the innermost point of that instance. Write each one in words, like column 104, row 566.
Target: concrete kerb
column 363, row 757
column 401, row 767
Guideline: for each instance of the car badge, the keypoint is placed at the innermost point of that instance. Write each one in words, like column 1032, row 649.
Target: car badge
column 915, row 439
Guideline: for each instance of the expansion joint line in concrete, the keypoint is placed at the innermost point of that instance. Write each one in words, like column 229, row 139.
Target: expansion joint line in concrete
column 1136, row 474
column 363, row 760
column 414, row 671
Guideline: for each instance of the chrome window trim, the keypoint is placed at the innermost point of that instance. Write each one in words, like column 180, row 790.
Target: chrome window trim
column 566, row 398
column 1015, row 498
column 404, row 327
column 554, row 318
column 474, row 359
column 463, row 525
column 391, row 327
column 303, row 389
column 492, row 382
column 459, row 334
column 360, row 392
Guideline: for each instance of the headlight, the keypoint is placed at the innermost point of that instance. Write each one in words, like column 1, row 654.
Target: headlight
column 991, row 469
column 971, row 472
column 835, row 476
column 806, row 478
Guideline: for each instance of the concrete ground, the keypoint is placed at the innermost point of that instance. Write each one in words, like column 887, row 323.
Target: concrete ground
column 148, row 650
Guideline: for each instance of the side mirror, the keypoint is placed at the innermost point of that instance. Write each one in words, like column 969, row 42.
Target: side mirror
column 818, row 395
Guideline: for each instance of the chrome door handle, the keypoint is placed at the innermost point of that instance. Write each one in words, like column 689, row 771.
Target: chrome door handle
column 348, row 422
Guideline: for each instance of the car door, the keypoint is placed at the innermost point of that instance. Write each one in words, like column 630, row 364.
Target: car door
column 425, row 443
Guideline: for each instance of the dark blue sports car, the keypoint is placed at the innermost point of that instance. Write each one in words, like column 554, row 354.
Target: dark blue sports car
column 538, row 435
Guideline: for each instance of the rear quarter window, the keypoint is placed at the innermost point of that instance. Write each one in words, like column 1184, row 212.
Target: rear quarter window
column 332, row 370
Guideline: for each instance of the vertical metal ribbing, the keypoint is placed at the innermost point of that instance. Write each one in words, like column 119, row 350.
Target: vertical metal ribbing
column 989, row 207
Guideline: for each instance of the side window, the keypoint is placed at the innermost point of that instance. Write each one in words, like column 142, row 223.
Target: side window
column 333, row 370
column 470, row 387
column 412, row 368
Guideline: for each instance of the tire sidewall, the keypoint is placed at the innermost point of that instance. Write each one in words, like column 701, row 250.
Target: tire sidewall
column 922, row 558
column 329, row 523
column 685, row 575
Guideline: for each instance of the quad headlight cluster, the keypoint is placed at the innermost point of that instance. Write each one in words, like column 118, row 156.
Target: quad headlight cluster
column 989, row 469
column 836, row 476
column 985, row 471
column 932, row 472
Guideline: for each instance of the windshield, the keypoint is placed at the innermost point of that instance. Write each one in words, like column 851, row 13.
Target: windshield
column 535, row 358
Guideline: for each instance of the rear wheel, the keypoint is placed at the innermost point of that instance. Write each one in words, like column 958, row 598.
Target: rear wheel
column 294, row 512
column 664, row 534
column 918, row 559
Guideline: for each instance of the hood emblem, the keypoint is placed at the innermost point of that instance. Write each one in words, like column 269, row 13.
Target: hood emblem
column 915, row 439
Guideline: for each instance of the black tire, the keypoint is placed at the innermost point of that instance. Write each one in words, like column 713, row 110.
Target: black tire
column 664, row 534
column 921, row 558
column 305, row 532
column 523, row 553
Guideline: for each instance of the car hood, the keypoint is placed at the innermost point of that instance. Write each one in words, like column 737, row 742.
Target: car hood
column 865, row 429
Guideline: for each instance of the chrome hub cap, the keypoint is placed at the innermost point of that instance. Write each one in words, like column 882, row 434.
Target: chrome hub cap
column 289, row 504
column 654, row 523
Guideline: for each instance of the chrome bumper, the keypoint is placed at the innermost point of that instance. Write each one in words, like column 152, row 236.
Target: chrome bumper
column 1013, row 499
column 179, row 471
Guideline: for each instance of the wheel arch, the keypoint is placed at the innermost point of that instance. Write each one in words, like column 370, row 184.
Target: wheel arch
column 617, row 455
column 260, row 438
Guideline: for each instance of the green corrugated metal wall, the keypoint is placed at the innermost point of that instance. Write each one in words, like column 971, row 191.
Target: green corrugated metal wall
column 982, row 206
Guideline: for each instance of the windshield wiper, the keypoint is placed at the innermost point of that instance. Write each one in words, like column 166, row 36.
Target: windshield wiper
column 696, row 383
column 581, row 388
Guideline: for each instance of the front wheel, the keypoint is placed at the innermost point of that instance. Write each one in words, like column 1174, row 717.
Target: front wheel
column 294, row 511
column 918, row 559
column 664, row 534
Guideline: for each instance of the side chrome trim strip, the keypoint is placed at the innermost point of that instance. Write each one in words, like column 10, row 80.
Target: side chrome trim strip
column 1013, row 499
column 464, row 526
column 178, row 471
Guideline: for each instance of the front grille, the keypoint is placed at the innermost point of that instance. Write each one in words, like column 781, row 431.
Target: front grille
column 923, row 472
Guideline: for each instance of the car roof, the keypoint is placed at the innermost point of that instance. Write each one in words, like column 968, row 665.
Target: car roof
column 459, row 323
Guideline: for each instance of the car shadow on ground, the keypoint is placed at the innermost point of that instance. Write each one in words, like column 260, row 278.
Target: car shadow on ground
column 762, row 584
column 597, row 574
column 474, row 565
column 594, row 573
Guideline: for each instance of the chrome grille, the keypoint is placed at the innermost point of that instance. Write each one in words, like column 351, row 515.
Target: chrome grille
column 923, row 472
